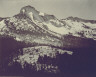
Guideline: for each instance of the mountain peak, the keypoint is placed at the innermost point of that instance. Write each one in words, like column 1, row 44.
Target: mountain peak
column 28, row 9
column 29, row 6
column 34, row 14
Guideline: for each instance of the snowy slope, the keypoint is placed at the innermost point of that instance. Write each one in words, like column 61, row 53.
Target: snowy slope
column 2, row 24
column 81, row 28
column 69, row 26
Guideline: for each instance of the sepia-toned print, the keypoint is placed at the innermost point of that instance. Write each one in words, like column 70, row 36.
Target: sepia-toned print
column 47, row 38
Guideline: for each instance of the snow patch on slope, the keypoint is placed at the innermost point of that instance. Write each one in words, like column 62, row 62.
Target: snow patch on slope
column 92, row 26
column 60, row 30
column 41, row 14
column 57, row 22
column 31, row 15
column 2, row 24
column 80, row 29
column 18, row 39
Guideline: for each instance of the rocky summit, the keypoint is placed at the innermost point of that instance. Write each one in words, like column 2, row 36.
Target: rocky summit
column 32, row 42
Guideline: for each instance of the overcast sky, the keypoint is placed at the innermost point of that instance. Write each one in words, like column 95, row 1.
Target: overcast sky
column 60, row 8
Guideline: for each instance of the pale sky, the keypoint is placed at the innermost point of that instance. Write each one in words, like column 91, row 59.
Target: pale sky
column 60, row 8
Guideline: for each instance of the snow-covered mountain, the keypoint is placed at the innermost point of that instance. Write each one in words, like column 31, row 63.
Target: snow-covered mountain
column 80, row 27
column 29, row 19
column 36, row 35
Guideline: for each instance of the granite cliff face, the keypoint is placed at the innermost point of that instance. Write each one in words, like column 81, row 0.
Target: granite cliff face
column 37, row 42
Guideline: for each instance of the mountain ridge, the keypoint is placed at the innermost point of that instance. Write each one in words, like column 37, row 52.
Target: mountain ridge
column 80, row 19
